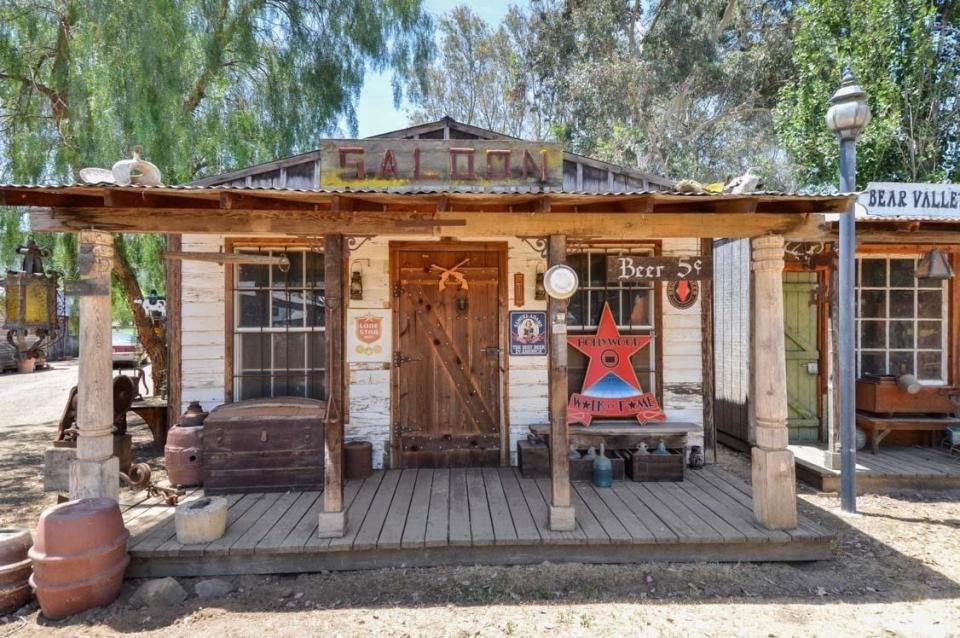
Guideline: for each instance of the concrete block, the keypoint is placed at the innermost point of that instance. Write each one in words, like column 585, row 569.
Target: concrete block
column 56, row 468
column 332, row 524
column 201, row 521
column 95, row 479
column 562, row 519
column 774, row 488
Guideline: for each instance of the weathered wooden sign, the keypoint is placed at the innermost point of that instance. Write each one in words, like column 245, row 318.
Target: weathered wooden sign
column 890, row 199
column 439, row 163
column 632, row 268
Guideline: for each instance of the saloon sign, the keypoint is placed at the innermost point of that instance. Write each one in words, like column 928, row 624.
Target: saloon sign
column 610, row 386
column 425, row 163
column 891, row 199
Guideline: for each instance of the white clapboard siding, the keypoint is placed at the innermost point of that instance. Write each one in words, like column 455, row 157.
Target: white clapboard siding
column 203, row 341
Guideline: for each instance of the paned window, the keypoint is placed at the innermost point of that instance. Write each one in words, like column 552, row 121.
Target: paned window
column 901, row 320
column 633, row 306
column 279, row 347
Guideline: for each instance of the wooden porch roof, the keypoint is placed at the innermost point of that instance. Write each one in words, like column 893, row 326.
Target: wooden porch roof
column 225, row 209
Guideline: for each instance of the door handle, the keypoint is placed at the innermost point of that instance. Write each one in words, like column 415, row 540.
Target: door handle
column 493, row 351
column 813, row 367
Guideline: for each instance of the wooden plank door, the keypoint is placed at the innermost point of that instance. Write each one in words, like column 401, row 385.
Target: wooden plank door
column 803, row 356
column 448, row 356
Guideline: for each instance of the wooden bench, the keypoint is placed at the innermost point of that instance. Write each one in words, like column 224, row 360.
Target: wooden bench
column 153, row 410
column 878, row 427
column 624, row 436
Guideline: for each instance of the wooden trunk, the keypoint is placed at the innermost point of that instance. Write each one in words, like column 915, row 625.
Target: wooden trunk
column 534, row 461
column 264, row 445
column 654, row 467
column 882, row 395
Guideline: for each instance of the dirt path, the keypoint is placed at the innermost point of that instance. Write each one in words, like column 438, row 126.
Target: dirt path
column 896, row 573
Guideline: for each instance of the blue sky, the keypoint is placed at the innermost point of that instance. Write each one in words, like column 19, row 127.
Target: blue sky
column 375, row 111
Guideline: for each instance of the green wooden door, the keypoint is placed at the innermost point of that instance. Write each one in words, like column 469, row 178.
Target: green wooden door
column 800, row 329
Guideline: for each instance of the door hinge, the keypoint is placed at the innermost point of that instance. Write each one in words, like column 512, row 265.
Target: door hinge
column 397, row 289
column 399, row 359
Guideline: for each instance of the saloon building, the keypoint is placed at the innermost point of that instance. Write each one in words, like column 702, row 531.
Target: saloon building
column 415, row 291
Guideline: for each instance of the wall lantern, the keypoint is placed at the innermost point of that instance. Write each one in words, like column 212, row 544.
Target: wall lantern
column 30, row 304
column 539, row 292
column 560, row 281
column 356, row 281
column 934, row 264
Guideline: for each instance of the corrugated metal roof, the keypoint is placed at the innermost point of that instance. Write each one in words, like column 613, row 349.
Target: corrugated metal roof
column 416, row 190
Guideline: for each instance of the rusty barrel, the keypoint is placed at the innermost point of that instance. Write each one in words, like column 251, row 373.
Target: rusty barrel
column 15, row 569
column 183, row 456
column 358, row 460
column 79, row 556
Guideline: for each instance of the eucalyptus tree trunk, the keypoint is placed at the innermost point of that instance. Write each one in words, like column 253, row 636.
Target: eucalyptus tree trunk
column 153, row 340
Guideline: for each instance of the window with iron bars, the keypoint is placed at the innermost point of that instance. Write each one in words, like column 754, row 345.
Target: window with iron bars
column 279, row 326
column 633, row 306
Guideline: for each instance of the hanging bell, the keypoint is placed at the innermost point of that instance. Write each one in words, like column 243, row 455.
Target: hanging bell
column 934, row 264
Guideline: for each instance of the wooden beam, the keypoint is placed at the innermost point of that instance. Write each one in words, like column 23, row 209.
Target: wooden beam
column 706, row 332
column 333, row 262
column 628, row 226
column 137, row 198
column 174, row 282
column 561, row 510
column 223, row 258
column 243, row 201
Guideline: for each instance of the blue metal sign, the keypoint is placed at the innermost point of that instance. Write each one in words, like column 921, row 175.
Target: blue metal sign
column 528, row 333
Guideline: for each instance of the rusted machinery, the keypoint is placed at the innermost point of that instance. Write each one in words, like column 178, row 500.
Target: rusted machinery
column 30, row 305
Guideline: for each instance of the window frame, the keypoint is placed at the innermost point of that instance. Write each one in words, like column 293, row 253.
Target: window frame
column 946, row 320
column 654, row 329
column 233, row 368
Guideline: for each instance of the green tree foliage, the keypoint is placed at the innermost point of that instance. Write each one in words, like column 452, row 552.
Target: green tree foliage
column 906, row 55
column 204, row 85
column 685, row 89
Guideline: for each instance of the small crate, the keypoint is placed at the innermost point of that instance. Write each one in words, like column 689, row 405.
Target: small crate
column 582, row 469
column 533, row 459
column 654, row 467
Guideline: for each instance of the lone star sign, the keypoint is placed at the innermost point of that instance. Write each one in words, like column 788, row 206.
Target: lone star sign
column 610, row 387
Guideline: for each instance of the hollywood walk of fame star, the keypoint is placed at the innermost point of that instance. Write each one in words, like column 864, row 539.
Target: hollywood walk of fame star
column 610, row 374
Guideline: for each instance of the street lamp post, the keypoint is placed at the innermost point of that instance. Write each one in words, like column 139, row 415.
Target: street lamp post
column 847, row 116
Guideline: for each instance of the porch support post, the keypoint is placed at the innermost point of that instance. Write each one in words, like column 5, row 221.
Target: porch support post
column 774, row 475
column 562, row 516
column 333, row 520
column 96, row 471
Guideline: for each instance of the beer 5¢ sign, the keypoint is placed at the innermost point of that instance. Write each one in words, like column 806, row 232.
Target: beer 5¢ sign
column 634, row 268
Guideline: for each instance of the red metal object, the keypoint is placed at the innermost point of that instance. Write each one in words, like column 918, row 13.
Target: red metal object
column 183, row 455
column 79, row 556
column 358, row 460
column 15, row 569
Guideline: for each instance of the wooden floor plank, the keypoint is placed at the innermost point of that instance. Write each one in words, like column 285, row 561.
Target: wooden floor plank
column 711, row 509
column 732, row 510
column 373, row 522
column 670, row 495
column 604, row 515
column 660, row 530
column 249, row 539
column 523, row 522
column 436, row 533
column 359, row 508
column 289, row 520
column 539, row 504
column 634, row 525
column 391, row 535
column 415, row 530
column 685, row 532
column 237, row 527
column 481, row 527
column 593, row 531
column 911, row 462
column 459, row 516
column 504, row 532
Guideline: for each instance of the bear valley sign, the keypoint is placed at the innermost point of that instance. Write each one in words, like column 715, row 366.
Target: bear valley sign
column 468, row 164
column 892, row 199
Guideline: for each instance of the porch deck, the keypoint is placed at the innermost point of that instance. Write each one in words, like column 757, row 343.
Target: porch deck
column 468, row 516
column 894, row 467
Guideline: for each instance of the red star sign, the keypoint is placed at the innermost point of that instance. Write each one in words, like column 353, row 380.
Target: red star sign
column 610, row 353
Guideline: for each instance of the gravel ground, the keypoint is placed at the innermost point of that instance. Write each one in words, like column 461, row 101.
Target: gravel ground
column 896, row 573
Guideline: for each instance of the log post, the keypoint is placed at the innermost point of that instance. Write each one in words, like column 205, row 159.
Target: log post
column 774, row 475
column 562, row 516
column 333, row 516
column 96, row 471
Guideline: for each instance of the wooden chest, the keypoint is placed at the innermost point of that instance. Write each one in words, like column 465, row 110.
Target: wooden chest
column 264, row 445
column 654, row 467
column 882, row 395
